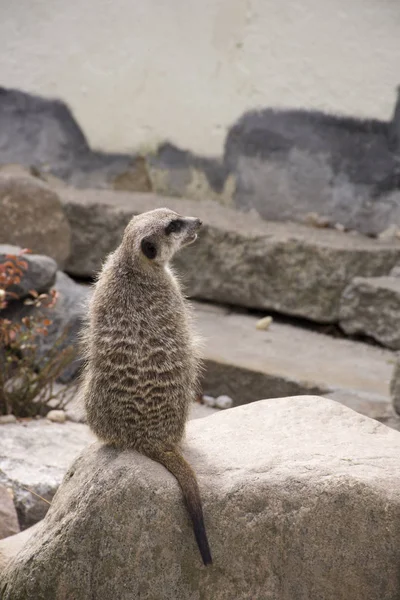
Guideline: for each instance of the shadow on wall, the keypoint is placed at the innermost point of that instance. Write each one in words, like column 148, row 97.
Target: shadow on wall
column 283, row 164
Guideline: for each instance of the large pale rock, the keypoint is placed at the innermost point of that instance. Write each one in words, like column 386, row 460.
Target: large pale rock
column 238, row 259
column 8, row 515
column 32, row 217
column 39, row 275
column 301, row 499
column 35, row 456
column 371, row 306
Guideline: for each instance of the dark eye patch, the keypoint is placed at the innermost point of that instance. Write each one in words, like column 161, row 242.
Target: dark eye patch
column 174, row 226
column 149, row 249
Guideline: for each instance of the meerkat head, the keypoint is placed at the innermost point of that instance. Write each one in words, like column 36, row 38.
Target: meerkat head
column 158, row 234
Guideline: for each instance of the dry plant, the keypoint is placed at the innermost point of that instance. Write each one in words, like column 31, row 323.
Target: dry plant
column 28, row 373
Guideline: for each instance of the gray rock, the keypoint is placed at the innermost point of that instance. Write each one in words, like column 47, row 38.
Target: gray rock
column 238, row 259
column 395, row 272
column 34, row 456
column 40, row 274
column 32, row 217
column 305, row 491
column 176, row 172
column 289, row 163
column 43, row 133
column 8, row 515
column 395, row 386
column 67, row 317
column 371, row 306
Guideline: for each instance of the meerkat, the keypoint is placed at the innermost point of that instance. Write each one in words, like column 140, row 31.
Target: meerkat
column 142, row 356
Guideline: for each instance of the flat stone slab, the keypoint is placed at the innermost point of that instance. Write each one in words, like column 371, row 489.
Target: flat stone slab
column 238, row 259
column 371, row 306
column 301, row 500
column 249, row 364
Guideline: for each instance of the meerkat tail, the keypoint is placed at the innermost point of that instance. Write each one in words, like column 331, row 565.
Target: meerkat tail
column 182, row 471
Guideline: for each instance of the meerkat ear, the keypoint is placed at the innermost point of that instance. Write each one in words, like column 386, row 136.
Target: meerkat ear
column 149, row 249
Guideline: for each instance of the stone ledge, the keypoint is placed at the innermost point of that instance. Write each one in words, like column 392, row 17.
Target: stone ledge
column 238, row 259
column 371, row 306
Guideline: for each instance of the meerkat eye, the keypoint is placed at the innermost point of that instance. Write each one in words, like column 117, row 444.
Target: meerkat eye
column 174, row 226
column 148, row 248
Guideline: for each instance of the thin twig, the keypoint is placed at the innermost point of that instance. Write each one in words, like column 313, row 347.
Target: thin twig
column 35, row 494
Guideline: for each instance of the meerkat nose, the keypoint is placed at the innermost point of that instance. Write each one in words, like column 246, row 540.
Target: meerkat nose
column 199, row 223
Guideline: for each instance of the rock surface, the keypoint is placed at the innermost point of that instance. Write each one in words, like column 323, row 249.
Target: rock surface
column 35, row 455
column 8, row 515
column 248, row 364
column 311, row 508
column 56, row 416
column 343, row 170
column 40, row 274
column 291, row 163
column 32, row 217
column 371, row 306
column 288, row 268
column 7, row 419
column 10, row 546
column 67, row 317
column 43, row 133
column 395, row 386
column 177, row 172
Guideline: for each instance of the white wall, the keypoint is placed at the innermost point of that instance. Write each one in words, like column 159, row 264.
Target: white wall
column 138, row 71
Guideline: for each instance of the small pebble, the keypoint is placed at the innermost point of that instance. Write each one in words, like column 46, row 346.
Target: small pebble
column 316, row 220
column 208, row 401
column 5, row 419
column 56, row 416
column 340, row 227
column 264, row 323
column 224, row 402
